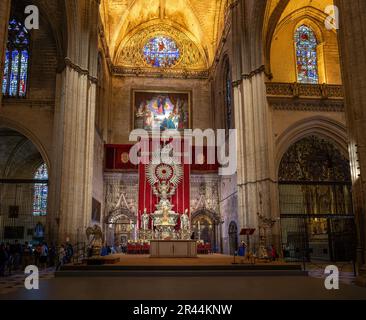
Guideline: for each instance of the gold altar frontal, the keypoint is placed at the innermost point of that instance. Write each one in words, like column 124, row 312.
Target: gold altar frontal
column 173, row 248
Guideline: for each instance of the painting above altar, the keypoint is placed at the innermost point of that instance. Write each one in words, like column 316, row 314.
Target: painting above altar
column 161, row 110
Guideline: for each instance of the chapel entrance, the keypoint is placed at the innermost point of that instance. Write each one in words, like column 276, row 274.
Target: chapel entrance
column 121, row 228
column 205, row 226
column 317, row 217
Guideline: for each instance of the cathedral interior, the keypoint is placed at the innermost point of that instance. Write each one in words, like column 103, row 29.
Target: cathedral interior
column 287, row 76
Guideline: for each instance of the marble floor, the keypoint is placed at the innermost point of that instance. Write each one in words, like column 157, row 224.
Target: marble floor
column 183, row 288
column 175, row 287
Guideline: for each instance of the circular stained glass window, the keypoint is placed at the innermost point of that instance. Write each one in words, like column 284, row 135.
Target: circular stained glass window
column 161, row 52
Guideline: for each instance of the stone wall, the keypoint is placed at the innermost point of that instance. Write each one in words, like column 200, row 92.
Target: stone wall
column 228, row 207
column 98, row 170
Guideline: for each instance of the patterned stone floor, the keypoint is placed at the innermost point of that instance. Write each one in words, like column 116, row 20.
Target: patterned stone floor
column 12, row 283
column 346, row 271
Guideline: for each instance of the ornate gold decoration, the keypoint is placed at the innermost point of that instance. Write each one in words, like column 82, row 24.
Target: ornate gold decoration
column 95, row 238
column 305, row 97
column 304, row 90
column 125, row 157
column 164, row 178
column 314, row 159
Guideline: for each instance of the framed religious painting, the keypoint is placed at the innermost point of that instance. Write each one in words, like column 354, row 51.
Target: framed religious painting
column 164, row 110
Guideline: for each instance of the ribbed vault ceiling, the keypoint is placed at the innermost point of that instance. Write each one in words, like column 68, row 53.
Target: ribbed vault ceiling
column 201, row 19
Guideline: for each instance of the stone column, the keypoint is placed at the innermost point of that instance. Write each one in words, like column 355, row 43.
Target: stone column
column 256, row 179
column 257, row 186
column 352, row 44
column 74, row 132
column 4, row 21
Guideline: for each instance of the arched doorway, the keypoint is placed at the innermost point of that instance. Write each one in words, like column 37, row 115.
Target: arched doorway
column 23, row 189
column 233, row 237
column 120, row 227
column 317, row 219
column 205, row 225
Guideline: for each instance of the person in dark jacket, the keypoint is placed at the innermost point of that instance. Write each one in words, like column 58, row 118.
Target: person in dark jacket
column 26, row 255
column 3, row 259
column 69, row 252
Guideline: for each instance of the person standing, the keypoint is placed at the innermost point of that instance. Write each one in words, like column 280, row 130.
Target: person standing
column 44, row 256
column 17, row 253
column 37, row 254
column 52, row 255
column 26, row 255
column 243, row 249
column 273, row 253
column 3, row 259
column 69, row 252
column 10, row 262
column 61, row 257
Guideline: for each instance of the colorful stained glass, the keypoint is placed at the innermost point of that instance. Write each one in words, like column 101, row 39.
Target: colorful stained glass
column 6, row 72
column 161, row 52
column 16, row 60
column 23, row 73
column 40, row 192
column 14, row 71
column 306, row 55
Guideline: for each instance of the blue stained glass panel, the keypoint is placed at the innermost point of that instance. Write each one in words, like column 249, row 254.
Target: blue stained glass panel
column 6, row 72
column 23, row 73
column 14, row 82
column 306, row 55
column 40, row 192
column 161, row 52
column 14, row 70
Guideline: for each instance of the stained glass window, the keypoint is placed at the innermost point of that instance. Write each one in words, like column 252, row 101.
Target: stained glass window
column 161, row 52
column 16, row 61
column 40, row 192
column 306, row 55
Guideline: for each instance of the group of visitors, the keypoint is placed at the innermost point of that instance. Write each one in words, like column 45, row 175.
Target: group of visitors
column 270, row 252
column 65, row 254
column 16, row 257
column 106, row 250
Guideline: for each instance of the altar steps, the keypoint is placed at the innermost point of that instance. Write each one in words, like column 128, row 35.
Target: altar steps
column 233, row 270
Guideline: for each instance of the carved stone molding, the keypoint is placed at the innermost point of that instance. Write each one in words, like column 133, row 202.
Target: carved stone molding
column 120, row 191
column 253, row 73
column 160, row 73
column 250, row 75
column 42, row 104
column 303, row 104
column 80, row 70
column 305, row 97
column 324, row 91
column 204, row 193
